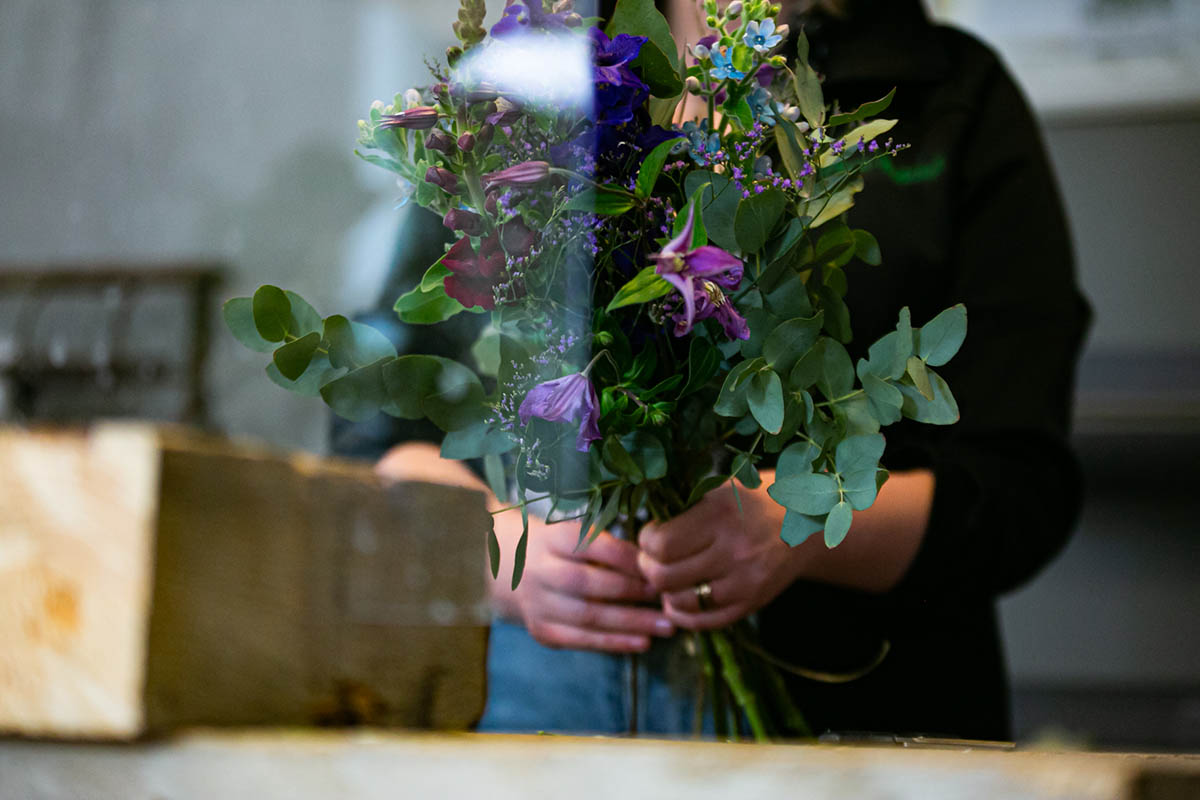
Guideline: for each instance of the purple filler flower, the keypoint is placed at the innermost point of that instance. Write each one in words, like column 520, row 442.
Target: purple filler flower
column 562, row 400
column 680, row 266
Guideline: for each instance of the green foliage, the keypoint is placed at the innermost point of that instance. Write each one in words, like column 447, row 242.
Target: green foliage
column 813, row 493
column 807, row 86
column 719, row 203
column 798, row 527
column 647, row 285
column 942, row 336
column 865, row 111
column 756, row 217
column 837, row 524
column 420, row 307
column 658, row 61
column 790, row 340
column 293, row 358
column 652, row 167
column 866, row 247
column 765, row 398
column 608, row 201
column 239, row 318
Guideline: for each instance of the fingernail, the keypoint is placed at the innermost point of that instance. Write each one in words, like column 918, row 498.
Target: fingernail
column 663, row 627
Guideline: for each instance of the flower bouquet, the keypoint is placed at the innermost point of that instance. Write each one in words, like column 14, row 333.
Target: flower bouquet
column 659, row 237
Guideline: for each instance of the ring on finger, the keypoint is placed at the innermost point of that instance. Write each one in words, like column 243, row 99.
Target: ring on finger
column 704, row 593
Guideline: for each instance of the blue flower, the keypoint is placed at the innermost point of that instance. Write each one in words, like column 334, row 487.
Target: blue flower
column 762, row 106
column 700, row 141
column 762, row 37
column 723, row 66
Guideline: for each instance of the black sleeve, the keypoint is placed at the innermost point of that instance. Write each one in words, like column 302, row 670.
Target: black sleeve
column 1008, row 486
column 421, row 242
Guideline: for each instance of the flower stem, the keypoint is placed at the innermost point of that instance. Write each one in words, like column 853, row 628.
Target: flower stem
column 746, row 699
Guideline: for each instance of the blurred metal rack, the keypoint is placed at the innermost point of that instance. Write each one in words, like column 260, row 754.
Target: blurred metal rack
column 102, row 357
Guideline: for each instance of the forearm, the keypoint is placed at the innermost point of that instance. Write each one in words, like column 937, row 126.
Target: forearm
column 882, row 543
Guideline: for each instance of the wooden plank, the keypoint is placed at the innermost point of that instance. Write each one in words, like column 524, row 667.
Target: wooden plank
column 377, row 766
column 151, row 578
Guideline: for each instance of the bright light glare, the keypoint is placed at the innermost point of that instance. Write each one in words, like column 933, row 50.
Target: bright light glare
column 537, row 69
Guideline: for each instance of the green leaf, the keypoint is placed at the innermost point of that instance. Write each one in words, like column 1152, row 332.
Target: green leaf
column 797, row 459
column 836, row 246
column 942, row 336
column 814, row 493
column 239, row 318
column 872, row 130
column 272, row 313
column 357, row 395
column 493, row 550
column 837, row 525
column 756, row 218
column 648, row 453
column 642, row 18
column 858, row 453
column 618, row 459
column 647, row 285
column 493, row 471
column 427, row 308
column 866, row 247
column 920, row 377
column 739, row 109
column 837, row 314
column 861, row 488
column 606, row 517
column 790, row 340
column 888, row 357
column 826, row 207
column 435, row 276
column 352, row 344
column 603, row 200
column 719, row 204
column 706, row 485
column 809, row 368
column 522, row 544
column 808, row 87
column 790, row 298
column 652, row 167
column 480, row 440
column 885, row 399
column 787, row 138
column 305, row 319
column 855, row 414
column 699, row 231
column 744, row 470
column 942, row 410
column 318, row 373
column 732, row 400
column 798, row 527
column 703, row 362
column 765, row 398
column 837, row 372
column 293, row 358
column 862, row 112
column 446, row 392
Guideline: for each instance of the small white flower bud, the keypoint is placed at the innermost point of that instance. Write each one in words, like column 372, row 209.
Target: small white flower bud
column 803, row 126
column 700, row 51
column 783, row 30
column 734, row 10
column 693, row 84
column 411, row 98
column 792, row 113
column 377, row 106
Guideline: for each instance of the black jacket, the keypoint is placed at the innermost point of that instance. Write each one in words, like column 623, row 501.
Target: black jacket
column 969, row 214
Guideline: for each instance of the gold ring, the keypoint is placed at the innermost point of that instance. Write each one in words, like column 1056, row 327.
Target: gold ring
column 704, row 594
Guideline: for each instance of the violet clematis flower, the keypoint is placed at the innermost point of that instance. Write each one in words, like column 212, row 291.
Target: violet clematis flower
column 712, row 302
column 680, row 267
column 562, row 400
column 521, row 18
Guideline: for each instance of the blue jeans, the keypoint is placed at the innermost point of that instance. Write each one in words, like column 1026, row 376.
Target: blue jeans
column 532, row 688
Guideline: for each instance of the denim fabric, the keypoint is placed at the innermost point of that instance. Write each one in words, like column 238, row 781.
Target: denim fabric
column 532, row 688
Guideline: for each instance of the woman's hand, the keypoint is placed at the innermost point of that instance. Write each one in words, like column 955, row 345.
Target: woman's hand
column 584, row 599
column 737, row 552
column 581, row 599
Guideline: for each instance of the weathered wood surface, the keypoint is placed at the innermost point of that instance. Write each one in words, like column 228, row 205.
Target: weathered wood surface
column 368, row 766
column 152, row 578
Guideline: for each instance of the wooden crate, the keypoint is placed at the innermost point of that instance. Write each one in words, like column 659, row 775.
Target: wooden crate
column 151, row 579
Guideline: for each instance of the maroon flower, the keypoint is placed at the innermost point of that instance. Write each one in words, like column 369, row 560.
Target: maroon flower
column 517, row 238
column 441, row 141
column 421, row 118
column 442, row 178
column 468, row 222
column 474, row 275
column 527, row 173
column 562, row 400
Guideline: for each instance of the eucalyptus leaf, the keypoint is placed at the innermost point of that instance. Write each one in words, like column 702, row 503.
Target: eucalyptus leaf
column 719, row 203
column 318, row 373
column 797, row 459
column 765, row 399
column 836, row 246
column 920, row 377
column 353, row 345
column 942, row 410
column 790, row 340
column 744, row 470
column 859, row 453
column 732, row 400
column 867, row 248
column 756, row 218
column 292, row 359
column 272, row 313
column 358, row 395
column 943, row 335
column 837, row 524
column 239, row 318
column 706, row 485
column 837, row 372
column 814, row 493
column 798, row 527
column 480, row 440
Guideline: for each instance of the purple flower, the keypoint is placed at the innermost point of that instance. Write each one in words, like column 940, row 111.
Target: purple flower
column 523, row 17
column 468, row 222
column 442, row 178
column 611, row 57
column 711, row 301
column 562, row 400
column 421, row 118
column 680, row 266
column 527, row 173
